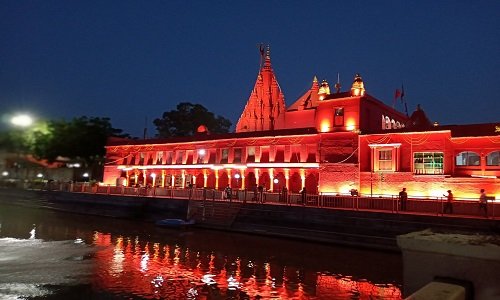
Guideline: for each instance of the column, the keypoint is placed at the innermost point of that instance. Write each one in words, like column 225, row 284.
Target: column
column 216, row 179
column 271, row 178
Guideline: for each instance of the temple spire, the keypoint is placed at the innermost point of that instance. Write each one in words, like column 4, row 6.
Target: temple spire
column 265, row 108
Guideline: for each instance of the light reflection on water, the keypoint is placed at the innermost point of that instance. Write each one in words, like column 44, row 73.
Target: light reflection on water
column 137, row 260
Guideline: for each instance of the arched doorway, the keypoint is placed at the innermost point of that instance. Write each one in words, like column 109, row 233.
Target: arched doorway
column 250, row 181
column 312, row 184
column 265, row 180
column 295, row 183
column 211, row 181
column 281, row 182
column 199, row 180
column 223, row 180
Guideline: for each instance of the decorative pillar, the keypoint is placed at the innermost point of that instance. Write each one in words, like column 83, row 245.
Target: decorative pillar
column 205, row 178
column 172, row 181
column 243, row 180
column 136, row 177
column 303, row 177
column 127, row 176
column 144, row 176
column 216, row 179
column 271, row 177
column 163, row 178
column 230, row 182
column 287, row 178
column 256, row 176
column 183, row 175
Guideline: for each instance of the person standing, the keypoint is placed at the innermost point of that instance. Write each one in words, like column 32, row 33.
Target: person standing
column 403, row 198
column 448, row 206
column 304, row 195
column 483, row 202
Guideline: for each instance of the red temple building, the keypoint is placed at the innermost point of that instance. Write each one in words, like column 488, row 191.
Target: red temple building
column 326, row 141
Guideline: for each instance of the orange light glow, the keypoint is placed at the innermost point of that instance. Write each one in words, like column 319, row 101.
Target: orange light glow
column 325, row 125
column 350, row 124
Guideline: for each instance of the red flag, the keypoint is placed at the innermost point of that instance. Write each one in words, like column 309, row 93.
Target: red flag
column 397, row 94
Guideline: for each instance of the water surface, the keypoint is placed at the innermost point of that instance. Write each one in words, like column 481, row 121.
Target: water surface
column 52, row 255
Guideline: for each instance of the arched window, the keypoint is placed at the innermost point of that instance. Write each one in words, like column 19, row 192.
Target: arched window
column 398, row 125
column 387, row 123
column 393, row 124
column 383, row 122
column 467, row 158
column 493, row 159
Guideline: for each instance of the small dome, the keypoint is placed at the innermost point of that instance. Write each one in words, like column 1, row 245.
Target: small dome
column 202, row 129
column 419, row 119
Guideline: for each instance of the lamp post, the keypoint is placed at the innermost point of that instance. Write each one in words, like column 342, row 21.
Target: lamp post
column 21, row 121
column 237, row 176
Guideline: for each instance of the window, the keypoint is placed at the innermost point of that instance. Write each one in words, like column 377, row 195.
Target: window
column 387, row 123
column 493, row 159
column 428, row 163
column 467, row 158
column 141, row 159
column 180, row 156
column 159, row 157
column 225, row 153
column 339, row 117
column 250, row 154
column 385, row 160
column 237, row 156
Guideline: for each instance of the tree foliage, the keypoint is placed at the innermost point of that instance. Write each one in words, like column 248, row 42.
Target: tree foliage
column 185, row 120
column 82, row 138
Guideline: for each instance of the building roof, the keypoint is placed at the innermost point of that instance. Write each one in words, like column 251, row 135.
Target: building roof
column 466, row 130
column 113, row 141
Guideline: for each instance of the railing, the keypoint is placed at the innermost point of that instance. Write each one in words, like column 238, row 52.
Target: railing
column 383, row 203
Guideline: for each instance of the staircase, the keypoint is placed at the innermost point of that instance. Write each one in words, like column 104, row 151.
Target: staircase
column 213, row 214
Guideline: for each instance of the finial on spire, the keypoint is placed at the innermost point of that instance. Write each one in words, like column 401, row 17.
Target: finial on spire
column 324, row 90
column 337, row 85
column 315, row 79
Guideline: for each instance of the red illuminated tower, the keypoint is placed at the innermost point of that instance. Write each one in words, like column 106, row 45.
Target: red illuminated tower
column 265, row 108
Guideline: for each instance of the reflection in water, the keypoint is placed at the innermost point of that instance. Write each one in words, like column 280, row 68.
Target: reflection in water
column 137, row 260
column 173, row 272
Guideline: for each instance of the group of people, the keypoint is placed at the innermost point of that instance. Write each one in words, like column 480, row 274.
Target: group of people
column 448, row 205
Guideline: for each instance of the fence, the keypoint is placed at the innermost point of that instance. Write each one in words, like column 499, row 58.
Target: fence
column 382, row 203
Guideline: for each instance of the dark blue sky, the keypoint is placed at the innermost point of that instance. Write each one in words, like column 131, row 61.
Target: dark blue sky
column 131, row 60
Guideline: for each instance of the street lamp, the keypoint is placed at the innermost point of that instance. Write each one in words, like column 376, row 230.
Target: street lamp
column 153, row 175
column 276, row 181
column 21, row 120
column 237, row 176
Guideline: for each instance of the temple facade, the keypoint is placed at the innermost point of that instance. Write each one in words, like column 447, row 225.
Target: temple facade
column 326, row 142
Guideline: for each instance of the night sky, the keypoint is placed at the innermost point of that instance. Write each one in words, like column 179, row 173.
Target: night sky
column 133, row 60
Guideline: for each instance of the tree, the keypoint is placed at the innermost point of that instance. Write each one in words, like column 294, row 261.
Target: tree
column 187, row 118
column 82, row 138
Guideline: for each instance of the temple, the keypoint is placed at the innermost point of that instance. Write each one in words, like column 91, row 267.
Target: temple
column 326, row 142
